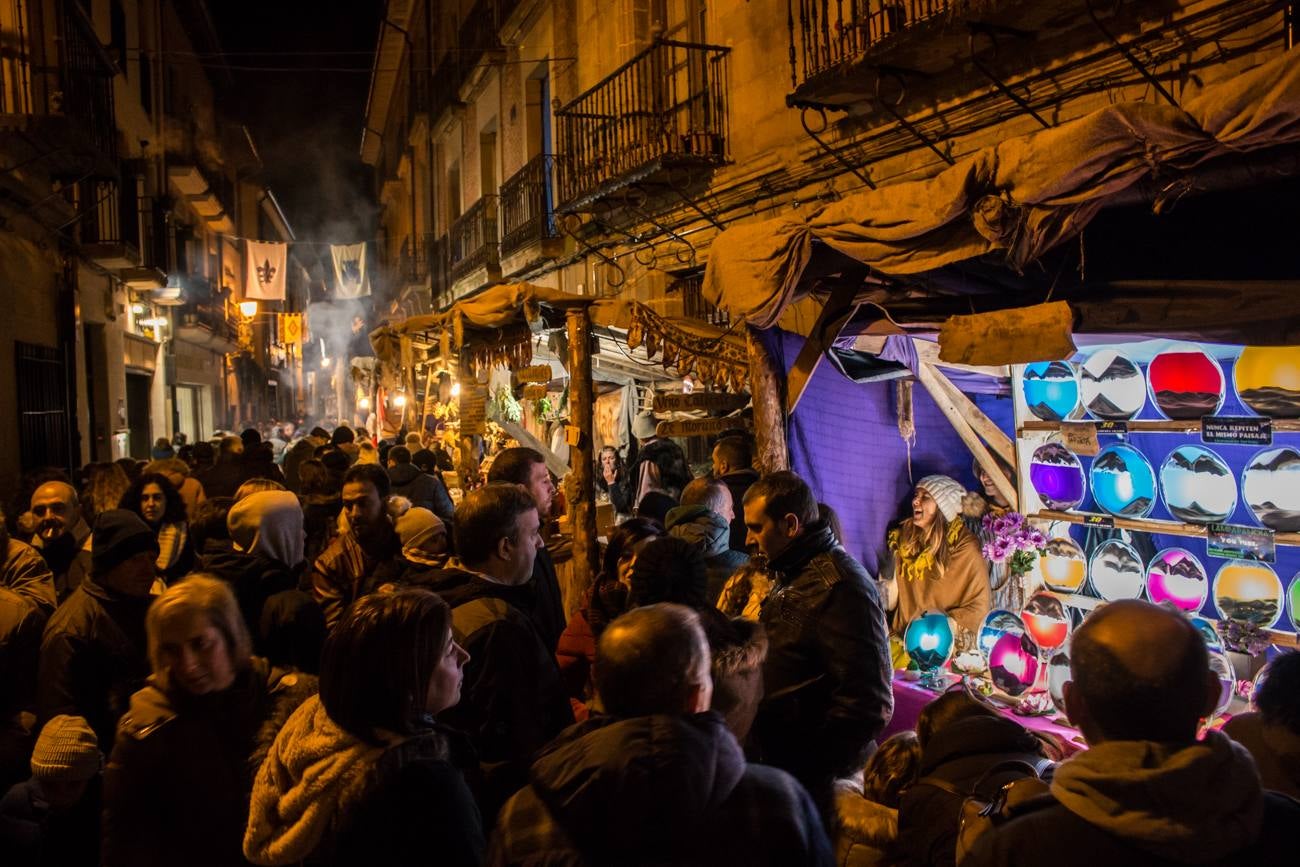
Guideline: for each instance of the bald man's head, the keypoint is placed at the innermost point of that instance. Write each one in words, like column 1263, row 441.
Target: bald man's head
column 55, row 507
column 1139, row 673
column 654, row 660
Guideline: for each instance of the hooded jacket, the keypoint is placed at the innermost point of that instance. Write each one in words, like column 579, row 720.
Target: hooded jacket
column 959, row 754
column 827, row 679
column 325, row 797
column 422, row 489
column 711, row 533
column 1139, row 802
column 176, row 787
column 656, row 790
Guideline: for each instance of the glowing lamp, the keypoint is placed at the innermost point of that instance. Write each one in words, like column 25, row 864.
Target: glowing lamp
column 138, row 309
column 248, row 309
column 364, row 403
column 324, row 363
column 455, row 389
column 1013, row 663
column 929, row 642
column 399, row 401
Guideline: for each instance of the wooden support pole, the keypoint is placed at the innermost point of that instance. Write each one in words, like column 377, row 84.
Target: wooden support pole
column 926, row 374
column 988, row 431
column 834, row 316
column 582, row 460
column 765, row 381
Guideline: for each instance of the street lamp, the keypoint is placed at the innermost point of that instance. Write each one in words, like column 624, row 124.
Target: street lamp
column 248, row 308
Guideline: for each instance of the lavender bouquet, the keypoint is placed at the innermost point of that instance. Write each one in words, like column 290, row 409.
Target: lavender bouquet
column 1012, row 541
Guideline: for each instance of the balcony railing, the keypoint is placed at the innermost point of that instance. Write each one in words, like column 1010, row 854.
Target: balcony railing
column 832, row 33
column 474, row 239
column 666, row 106
column 439, row 268
column 413, row 263
column 528, row 204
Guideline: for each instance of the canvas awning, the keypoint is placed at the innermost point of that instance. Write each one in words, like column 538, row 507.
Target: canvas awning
column 1016, row 200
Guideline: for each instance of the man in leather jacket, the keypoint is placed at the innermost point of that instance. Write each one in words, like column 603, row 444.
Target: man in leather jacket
column 827, row 676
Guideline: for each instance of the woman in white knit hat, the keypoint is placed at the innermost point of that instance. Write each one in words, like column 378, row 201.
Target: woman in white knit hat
column 935, row 561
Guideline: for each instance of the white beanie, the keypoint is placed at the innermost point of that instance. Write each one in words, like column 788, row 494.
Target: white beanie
column 947, row 494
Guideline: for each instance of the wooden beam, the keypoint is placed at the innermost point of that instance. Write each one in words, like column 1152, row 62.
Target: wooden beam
column 837, row 312
column 770, row 452
column 926, row 373
column 525, row 438
column 988, row 431
column 582, row 459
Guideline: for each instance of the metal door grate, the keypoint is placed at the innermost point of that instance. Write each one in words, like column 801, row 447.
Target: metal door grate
column 42, row 407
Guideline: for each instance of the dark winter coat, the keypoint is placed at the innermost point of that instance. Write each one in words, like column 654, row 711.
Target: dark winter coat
column 21, row 624
column 224, row 477
column 67, row 557
column 656, row 790
column 711, row 533
column 177, row 784
column 542, row 601
column 424, row 490
column 959, row 754
column 33, row 835
column 417, row 809
column 738, row 483
column 827, row 678
column 93, row 658
column 1150, row 804
column 340, row 574
column 255, row 578
column 320, row 523
column 511, row 700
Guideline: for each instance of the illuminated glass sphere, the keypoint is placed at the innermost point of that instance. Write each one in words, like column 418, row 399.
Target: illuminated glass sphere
column 1013, row 663
column 1046, row 620
column 1222, row 668
column 1062, row 565
column 1058, row 674
column 997, row 624
column 929, row 640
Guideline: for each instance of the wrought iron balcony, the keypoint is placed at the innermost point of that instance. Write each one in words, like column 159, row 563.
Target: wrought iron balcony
column 528, row 204
column 413, row 261
column 208, row 324
column 61, row 103
column 665, row 107
column 690, row 291
column 474, row 240
column 835, row 33
column 439, row 268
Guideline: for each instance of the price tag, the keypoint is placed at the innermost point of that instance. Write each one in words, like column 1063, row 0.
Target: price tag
column 1099, row 521
column 1113, row 428
column 1080, row 437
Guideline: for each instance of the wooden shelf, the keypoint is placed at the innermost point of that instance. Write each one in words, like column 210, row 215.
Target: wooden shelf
column 1147, row 525
column 1279, row 637
column 1189, row 426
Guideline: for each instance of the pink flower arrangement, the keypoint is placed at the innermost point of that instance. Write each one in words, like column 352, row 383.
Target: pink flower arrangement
column 1012, row 541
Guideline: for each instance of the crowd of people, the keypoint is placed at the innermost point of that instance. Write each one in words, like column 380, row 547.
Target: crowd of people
column 304, row 650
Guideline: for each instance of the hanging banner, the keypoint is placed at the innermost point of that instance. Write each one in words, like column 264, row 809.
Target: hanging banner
column 291, row 328
column 351, row 276
column 264, row 279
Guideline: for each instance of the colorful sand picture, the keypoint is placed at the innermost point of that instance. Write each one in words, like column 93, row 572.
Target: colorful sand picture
column 1293, row 602
column 1123, row 482
column 1116, row 571
column 1051, row 390
column 1056, row 475
column 1063, row 566
column 1046, row 620
column 1176, row 576
column 1186, row 384
column 1197, row 486
column 1267, row 379
column 1250, row 592
column 1270, row 485
column 997, row 623
column 1111, row 386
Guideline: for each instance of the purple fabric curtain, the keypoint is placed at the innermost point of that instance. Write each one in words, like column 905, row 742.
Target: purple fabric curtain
column 844, row 442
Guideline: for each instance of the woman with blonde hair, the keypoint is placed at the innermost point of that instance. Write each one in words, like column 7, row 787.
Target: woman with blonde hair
column 178, row 781
column 934, row 561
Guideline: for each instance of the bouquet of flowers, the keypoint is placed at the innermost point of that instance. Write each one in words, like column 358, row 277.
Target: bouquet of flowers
column 1012, row 541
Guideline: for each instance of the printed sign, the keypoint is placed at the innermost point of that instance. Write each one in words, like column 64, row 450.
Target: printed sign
column 1113, row 428
column 536, row 373
column 1080, row 437
column 1237, row 542
column 1245, row 430
column 536, row 391
column 473, row 410
column 1099, row 521
column 697, row 427
column 699, row 400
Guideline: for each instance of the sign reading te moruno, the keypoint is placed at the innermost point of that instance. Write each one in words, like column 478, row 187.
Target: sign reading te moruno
column 699, row 400
column 698, row 427
column 536, row 373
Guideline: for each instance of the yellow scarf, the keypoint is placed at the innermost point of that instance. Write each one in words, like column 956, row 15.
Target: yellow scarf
column 913, row 564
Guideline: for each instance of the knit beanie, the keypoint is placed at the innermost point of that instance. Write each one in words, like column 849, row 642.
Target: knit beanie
column 66, row 751
column 423, row 535
column 119, row 535
column 269, row 523
column 669, row 569
column 947, row 494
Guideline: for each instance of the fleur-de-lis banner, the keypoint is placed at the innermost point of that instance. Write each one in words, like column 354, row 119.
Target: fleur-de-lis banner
column 351, row 275
column 265, row 265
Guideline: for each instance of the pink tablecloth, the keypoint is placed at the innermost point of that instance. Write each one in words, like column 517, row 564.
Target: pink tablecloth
column 910, row 697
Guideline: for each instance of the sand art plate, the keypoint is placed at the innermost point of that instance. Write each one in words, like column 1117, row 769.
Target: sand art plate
column 1123, row 482
column 1111, row 386
column 1051, row 390
column 1270, row 485
column 1249, row 592
column 1197, row 486
column 1186, row 384
column 1267, row 379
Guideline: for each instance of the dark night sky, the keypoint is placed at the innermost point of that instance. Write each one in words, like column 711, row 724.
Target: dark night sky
column 307, row 121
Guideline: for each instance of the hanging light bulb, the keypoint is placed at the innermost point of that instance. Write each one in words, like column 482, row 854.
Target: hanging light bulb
column 399, row 401
column 455, row 389
column 248, row 308
column 364, row 403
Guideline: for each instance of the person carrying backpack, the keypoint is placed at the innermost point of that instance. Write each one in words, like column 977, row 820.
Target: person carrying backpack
column 969, row 752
